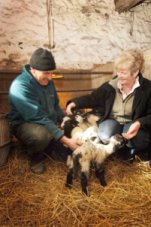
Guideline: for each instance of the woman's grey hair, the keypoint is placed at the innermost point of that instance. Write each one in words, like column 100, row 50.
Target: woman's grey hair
column 132, row 60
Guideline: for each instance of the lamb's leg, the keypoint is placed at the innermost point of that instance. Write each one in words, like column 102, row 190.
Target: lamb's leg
column 84, row 183
column 69, row 179
column 85, row 166
column 72, row 162
column 99, row 172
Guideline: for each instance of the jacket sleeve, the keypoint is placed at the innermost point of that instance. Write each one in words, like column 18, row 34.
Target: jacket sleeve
column 26, row 102
column 94, row 100
column 142, row 111
column 145, row 117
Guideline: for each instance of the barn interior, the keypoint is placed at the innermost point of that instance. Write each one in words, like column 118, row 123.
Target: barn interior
column 85, row 37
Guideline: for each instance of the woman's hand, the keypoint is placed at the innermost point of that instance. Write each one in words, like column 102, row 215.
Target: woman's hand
column 132, row 131
column 70, row 107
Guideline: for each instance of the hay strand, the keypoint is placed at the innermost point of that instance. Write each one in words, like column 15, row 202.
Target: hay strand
column 27, row 199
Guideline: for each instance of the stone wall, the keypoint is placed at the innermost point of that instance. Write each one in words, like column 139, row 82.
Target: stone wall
column 147, row 65
column 85, row 33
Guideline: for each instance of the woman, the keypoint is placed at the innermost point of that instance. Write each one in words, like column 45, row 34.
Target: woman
column 124, row 103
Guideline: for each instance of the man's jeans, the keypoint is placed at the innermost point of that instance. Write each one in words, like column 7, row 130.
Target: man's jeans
column 110, row 127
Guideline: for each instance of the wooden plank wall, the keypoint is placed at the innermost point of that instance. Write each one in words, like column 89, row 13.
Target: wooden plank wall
column 71, row 85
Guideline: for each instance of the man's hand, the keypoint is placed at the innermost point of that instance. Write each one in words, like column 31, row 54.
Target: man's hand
column 69, row 142
column 132, row 131
column 70, row 107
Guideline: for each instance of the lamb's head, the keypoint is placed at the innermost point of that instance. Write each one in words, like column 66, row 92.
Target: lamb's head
column 118, row 140
column 68, row 124
column 65, row 119
column 90, row 119
column 79, row 118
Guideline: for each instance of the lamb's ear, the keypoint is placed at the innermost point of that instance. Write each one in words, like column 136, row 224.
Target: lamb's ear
column 105, row 141
column 64, row 120
column 124, row 139
column 121, row 139
column 76, row 111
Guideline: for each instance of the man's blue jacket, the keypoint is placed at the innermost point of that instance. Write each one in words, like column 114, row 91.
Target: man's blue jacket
column 30, row 102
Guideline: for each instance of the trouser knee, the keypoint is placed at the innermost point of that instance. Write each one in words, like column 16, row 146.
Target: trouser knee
column 108, row 128
column 39, row 141
column 34, row 136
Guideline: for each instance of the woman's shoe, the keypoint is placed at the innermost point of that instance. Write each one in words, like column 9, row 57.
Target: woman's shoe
column 127, row 154
column 130, row 155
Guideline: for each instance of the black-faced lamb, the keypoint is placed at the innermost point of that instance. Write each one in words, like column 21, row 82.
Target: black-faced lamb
column 89, row 152
column 80, row 126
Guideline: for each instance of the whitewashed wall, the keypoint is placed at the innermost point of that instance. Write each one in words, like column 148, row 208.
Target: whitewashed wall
column 86, row 32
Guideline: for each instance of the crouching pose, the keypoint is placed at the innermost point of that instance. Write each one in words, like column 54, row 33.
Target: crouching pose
column 124, row 103
column 91, row 151
column 35, row 112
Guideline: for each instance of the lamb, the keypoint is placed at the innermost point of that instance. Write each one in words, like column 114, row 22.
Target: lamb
column 89, row 152
column 80, row 127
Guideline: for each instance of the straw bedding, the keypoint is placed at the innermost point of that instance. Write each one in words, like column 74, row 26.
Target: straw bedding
column 30, row 200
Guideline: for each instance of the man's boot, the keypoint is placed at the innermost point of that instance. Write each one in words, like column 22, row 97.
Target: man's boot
column 37, row 164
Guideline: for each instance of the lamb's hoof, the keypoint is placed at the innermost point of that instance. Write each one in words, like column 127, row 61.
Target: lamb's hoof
column 86, row 192
column 68, row 185
column 103, row 183
column 100, row 174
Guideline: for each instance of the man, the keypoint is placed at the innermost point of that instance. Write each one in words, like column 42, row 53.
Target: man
column 35, row 111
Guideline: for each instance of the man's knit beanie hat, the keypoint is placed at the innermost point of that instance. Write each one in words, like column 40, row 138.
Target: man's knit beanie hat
column 42, row 60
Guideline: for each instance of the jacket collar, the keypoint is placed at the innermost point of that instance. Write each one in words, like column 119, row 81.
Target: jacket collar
column 138, row 93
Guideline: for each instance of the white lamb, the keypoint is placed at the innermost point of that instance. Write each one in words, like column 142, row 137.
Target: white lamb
column 80, row 128
column 90, row 152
